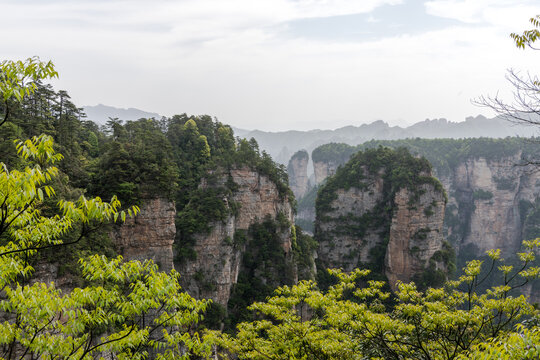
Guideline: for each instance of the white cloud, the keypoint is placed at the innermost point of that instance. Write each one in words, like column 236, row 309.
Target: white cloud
column 499, row 12
column 233, row 60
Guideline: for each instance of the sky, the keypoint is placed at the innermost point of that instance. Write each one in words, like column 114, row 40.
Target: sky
column 277, row 64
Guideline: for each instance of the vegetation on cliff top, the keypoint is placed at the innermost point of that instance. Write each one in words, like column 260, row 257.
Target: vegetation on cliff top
column 301, row 155
column 397, row 169
column 443, row 154
column 135, row 160
column 122, row 305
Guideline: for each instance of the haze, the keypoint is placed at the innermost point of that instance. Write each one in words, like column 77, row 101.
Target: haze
column 277, row 64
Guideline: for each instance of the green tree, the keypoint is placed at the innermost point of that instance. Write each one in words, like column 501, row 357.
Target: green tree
column 128, row 310
column 136, row 163
column 351, row 321
column 20, row 78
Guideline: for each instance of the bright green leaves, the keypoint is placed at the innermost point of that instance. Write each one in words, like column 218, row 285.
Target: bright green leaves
column 494, row 254
column 522, row 344
column 24, row 228
column 529, row 36
column 129, row 310
column 353, row 320
column 40, row 150
column 132, row 309
column 18, row 78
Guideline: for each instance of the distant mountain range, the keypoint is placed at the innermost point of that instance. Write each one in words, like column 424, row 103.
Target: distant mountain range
column 282, row 145
column 100, row 114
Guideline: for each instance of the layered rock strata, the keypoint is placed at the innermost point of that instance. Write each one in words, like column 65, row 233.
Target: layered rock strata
column 219, row 253
column 489, row 203
column 416, row 233
column 382, row 210
column 150, row 234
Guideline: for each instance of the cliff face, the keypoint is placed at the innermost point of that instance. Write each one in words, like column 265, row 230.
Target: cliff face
column 297, row 170
column 384, row 212
column 489, row 203
column 416, row 233
column 339, row 244
column 407, row 240
column 491, row 200
column 324, row 169
column 220, row 252
column 149, row 235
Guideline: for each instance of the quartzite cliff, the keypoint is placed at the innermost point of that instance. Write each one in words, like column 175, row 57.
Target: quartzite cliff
column 297, row 170
column 220, row 252
column 385, row 211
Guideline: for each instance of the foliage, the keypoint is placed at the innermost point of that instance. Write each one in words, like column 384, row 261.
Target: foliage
column 136, row 160
column 337, row 153
column 303, row 250
column 349, row 320
column 525, row 107
column 443, row 154
column 399, row 170
column 19, row 79
column 480, row 194
column 301, row 155
column 131, row 310
column 136, row 164
column 209, row 159
column 528, row 37
column 522, row 344
column 264, row 267
column 106, row 316
column 127, row 310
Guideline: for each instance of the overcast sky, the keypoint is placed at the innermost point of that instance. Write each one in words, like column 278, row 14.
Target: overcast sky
column 277, row 64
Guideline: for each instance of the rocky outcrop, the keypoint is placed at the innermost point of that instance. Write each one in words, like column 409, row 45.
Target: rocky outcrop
column 297, row 170
column 416, row 233
column 150, row 234
column 490, row 198
column 489, row 202
column 343, row 241
column 324, row 169
column 367, row 216
column 219, row 257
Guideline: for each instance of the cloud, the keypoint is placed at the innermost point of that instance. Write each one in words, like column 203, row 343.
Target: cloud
column 238, row 59
column 498, row 12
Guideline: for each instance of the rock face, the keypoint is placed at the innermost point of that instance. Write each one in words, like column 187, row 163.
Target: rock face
column 219, row 253
column 339, row 244
column 373, row 221
column 324, row 169
column 149, row 235
column 297, row 170
column 415, row 234
column 489, row 203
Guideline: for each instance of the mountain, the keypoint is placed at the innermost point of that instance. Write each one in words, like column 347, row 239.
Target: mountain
column 282, row 145
column 100, row 113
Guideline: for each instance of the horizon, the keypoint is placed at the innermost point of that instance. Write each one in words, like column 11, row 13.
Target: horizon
column 402, row 125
